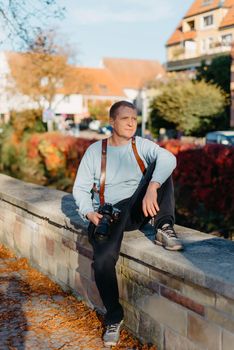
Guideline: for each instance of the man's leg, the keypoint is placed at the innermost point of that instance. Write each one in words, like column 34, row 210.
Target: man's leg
column 104, row 260
column 106, row 253
column 105, row 256
column 135, row 217
column 165, row 218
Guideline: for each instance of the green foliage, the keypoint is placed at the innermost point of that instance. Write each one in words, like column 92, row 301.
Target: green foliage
column 218, row 72
column 9, row 157
column 49, row 159
column 27, row 121
column 191, row 107
column 8, row 150
column 99, row 110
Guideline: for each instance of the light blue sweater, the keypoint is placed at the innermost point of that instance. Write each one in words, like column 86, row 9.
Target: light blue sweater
column 123, row 173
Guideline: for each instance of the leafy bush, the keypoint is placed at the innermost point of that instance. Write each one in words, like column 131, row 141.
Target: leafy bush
column 46, row 158
column 204, row 185
column 27, row 121
column 218, row 72
column 176, row 146
column 204, row 177
column 192, row 107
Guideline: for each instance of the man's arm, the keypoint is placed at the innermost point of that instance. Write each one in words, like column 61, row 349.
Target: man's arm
column 165, row 160
column 150, row 203
column 84, row 183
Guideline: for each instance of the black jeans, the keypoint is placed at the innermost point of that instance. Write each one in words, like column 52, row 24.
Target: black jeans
column 105, row 254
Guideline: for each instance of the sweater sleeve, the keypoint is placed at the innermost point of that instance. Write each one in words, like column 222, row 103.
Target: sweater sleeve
column 165, row 160
column 84, row 183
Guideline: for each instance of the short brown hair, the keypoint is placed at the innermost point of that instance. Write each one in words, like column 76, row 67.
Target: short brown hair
column 114, row 108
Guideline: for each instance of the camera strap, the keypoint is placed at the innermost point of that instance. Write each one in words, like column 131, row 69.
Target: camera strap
column 138, row 158
column 103, row 167
column 103, row 172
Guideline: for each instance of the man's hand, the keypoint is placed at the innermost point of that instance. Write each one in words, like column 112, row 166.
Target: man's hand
column 150, row 203
column 94, row 217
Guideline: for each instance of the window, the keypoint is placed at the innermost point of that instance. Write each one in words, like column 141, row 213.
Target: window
column 208, row 21
column 221, row 2
column 210, row 43
column 44, row 81
column 59, row 83
column 203, row 45
column 190, row 45
column 226, row 39
column 207, row 2
column 103, row 88
column 191, row 25
column 88, row 88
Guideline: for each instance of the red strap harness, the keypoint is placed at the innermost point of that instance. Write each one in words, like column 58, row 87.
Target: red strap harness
column 103, row 167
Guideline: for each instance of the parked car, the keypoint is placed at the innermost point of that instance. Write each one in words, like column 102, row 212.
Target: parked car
column 106, row 129
column 221, row 137
column 94, row 125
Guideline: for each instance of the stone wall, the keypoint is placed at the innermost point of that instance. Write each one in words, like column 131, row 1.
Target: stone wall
column 176, row 300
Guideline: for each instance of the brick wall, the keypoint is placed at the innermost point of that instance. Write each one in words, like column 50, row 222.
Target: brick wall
column 176, row 300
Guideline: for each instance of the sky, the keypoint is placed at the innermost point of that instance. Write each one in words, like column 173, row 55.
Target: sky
column 122, row 29
column 95, row 29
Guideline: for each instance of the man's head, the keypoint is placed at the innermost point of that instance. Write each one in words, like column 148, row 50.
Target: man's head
column 123, row 118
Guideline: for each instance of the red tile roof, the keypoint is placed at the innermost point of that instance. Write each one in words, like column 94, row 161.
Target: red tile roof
column 92, row 81
column 197, row 6
column 133, row 73
column 109, row 81
column 178, row 36
column 228, row 20
column 87, row 81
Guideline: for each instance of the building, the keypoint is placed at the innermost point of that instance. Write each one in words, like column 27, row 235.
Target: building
column 115, row 80
column 94, row 86
column 133, row 75
column 206, row 30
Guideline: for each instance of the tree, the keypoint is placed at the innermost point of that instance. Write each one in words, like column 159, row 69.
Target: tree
column 28, row 121
column 218, row 72
column 192, row 107
column 22, row 20
column 41, row 72
column 99, row 110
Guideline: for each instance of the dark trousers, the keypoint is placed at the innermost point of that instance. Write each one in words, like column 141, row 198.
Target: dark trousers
column 105, row 254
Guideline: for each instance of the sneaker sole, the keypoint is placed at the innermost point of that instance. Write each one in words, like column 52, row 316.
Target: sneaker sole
column 110, row 343
column 113, row 343
column 175, row 248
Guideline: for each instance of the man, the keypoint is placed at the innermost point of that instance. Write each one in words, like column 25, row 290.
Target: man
column 139, row 198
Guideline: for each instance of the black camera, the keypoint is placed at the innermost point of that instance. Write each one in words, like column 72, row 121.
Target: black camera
column 110, row 215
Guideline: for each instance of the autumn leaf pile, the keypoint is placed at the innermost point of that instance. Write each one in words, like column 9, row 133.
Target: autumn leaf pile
column 65, row 311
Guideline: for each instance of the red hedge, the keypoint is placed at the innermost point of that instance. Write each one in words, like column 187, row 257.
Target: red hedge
column 205, row 176
column 68, row 148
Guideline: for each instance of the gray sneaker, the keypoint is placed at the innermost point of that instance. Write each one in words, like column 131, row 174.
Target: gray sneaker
column 111, row 335
column 167, row 238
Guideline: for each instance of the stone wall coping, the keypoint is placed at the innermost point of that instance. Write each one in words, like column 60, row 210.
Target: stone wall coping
column 207, row 261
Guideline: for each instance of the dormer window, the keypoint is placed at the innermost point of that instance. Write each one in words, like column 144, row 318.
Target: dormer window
column 88, row 88
column 207, row 2
column 208, row 21
column 103, row 88
column 191, row 25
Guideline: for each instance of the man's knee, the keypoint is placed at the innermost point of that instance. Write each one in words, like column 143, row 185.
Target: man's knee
column 104, row 262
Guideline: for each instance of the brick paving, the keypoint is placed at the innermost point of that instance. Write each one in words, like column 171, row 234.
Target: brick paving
column 36, row 314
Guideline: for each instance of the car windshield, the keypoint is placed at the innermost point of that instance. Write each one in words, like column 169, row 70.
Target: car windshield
column 231, row 140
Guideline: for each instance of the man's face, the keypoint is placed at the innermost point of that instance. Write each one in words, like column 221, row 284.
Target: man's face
column 125, row 122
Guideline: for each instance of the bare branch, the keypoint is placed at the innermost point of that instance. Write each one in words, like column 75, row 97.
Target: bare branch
column 21, row 20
